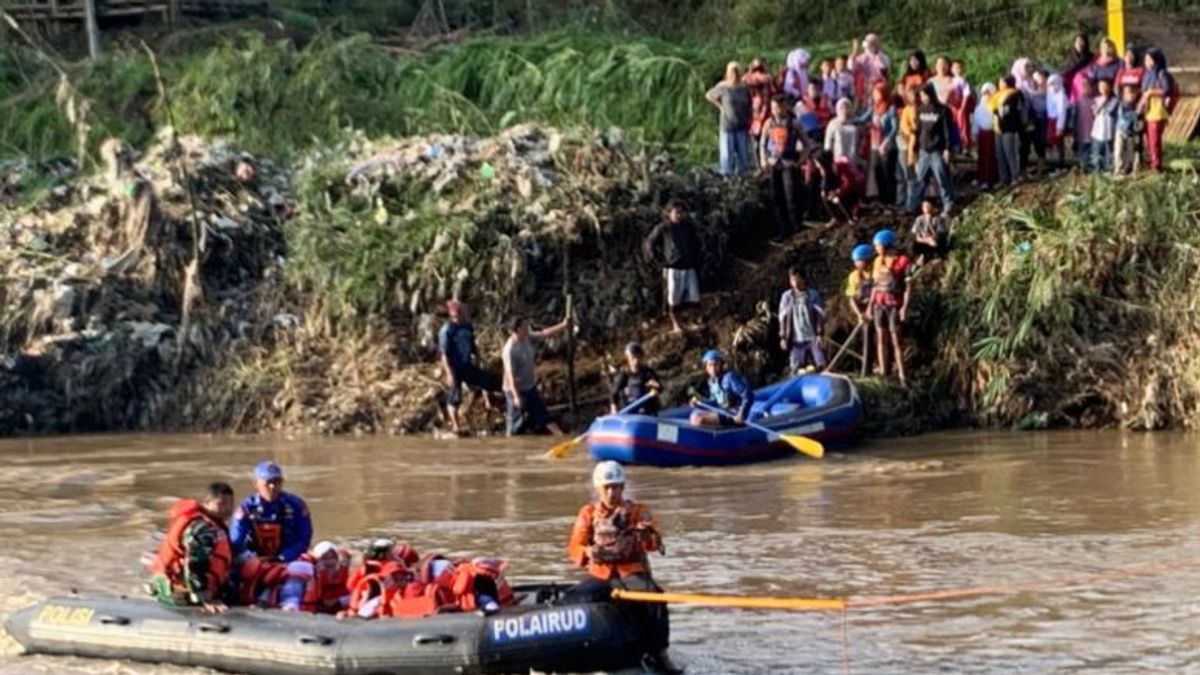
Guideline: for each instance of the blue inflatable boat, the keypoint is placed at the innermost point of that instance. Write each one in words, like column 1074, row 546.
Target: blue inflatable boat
column 822, row 407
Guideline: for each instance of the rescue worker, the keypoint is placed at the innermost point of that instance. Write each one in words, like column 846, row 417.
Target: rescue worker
column 611, row 538
column 727, row 390
column 889, row 300
column 271, row 523
column 634, row 381
column 192, row 564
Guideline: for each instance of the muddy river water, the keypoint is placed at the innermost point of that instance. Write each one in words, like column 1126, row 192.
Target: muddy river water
column 899, row 517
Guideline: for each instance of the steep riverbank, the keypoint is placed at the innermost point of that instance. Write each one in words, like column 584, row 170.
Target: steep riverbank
column 316, row 295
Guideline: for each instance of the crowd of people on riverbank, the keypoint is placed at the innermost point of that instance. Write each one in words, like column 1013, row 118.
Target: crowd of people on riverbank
column 261, row 555
column 862, row 128
column 847, row 131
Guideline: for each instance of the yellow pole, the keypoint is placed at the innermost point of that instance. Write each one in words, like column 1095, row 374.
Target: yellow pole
column 1116, row 23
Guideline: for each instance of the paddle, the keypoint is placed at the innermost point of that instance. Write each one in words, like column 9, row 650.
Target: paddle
column 802, row 444
column 563, row 449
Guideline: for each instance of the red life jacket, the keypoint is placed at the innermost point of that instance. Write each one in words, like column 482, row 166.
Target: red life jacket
column 480, row 576
column 170, row 558
column 268, row 538
column 260, row 582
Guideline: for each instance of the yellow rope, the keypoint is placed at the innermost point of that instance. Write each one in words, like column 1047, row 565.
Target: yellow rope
column 742, row 602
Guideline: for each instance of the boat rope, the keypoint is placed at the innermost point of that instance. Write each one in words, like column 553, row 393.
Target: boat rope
column 882, row 602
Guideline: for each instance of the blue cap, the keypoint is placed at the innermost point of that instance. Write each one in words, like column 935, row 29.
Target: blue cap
column 713, row 355
column 268, row 470
column 862, row 252
column 635, row 348
column 885, row 238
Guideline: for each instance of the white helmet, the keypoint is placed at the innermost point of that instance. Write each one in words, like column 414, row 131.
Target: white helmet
column 608, row 473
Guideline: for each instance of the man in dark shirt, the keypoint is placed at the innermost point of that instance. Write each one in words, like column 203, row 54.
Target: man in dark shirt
column 634, row 381
column 674, row 244
column 456, row 343
column 933, row 143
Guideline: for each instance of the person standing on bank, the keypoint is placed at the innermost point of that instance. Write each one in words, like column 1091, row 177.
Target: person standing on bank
column 460, row 358
column 674, row 244
column 611, row 539
column 525, row 412
column 732, row 98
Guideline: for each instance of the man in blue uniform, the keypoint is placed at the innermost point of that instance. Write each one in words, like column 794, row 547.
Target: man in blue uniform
column 271, row 523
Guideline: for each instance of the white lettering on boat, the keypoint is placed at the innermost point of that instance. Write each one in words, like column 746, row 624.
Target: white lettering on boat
column 540, row 624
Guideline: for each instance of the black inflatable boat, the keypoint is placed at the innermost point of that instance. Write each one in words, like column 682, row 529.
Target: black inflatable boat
column 539, row 633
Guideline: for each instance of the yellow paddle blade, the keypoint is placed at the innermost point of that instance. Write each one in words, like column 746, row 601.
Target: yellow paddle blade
column 806, row 445
column 563, row 449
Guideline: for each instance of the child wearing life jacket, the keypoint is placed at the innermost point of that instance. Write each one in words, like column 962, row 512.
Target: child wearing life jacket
column 858, row 293
column 889, row 299
column 317, row 582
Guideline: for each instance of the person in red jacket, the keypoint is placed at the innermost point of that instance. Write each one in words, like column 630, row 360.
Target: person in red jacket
column 192, row 564
column 611, row 538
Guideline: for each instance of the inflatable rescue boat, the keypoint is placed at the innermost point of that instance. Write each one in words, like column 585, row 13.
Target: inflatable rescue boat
column 540, row 633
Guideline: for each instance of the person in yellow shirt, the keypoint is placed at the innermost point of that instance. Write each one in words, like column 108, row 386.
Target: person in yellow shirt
column 858, row 292
column 907, row 145
column 1158, row 92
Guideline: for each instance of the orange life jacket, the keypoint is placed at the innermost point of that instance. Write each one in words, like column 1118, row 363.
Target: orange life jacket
column 325, row 591
column 620, row 536
column 374, row 591
column 171, row 556
column 260, row 582
column 480, row 576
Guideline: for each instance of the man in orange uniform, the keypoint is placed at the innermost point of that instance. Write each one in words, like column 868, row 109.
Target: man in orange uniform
column 192, row 564
column 611, row 538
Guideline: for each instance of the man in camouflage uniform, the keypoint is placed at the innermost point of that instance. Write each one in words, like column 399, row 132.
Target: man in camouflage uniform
column 194, row 560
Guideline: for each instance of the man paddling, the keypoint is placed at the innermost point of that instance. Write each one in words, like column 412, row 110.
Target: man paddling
column 611, row 538
column 271, row 523
column 192, row 564
column 634, row 381
column 727, row 390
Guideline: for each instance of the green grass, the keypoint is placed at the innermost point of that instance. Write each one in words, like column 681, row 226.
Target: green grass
column 1082, row 289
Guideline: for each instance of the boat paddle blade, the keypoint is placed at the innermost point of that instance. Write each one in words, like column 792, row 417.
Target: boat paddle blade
column 563, row 449
column 805, row 444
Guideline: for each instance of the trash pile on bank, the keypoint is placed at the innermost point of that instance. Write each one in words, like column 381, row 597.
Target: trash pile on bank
column 318, row 290
column 103, row 272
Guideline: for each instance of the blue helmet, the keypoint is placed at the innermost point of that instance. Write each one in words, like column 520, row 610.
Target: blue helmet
column 862, row 252
column 885, row 238
column 713, row 355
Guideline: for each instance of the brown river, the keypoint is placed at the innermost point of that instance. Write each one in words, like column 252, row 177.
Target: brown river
column 934, row 513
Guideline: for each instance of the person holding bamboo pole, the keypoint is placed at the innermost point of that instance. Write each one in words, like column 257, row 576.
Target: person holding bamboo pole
column 611, row 538
column 525, row 411
column 889, row 300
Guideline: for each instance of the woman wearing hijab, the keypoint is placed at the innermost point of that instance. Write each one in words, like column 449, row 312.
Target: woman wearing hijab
column 1158, row 97
column 795, row 75
column 868, row 66
column 983, row 128
column 1022, row 72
